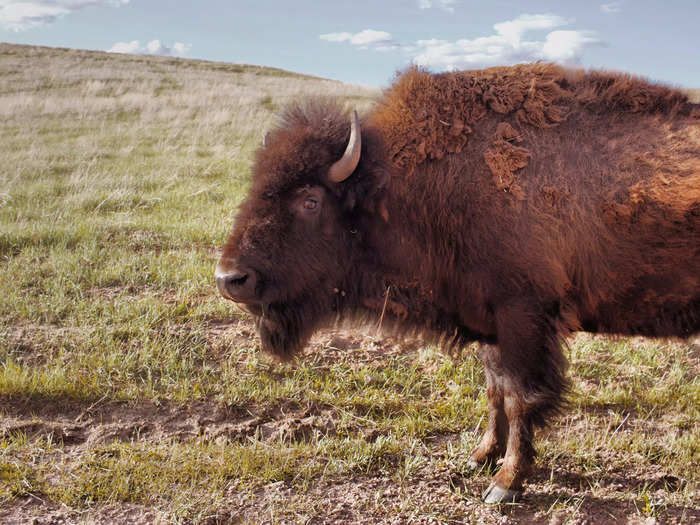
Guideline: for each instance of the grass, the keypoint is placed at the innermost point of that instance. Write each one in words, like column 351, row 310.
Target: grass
column 125, row 382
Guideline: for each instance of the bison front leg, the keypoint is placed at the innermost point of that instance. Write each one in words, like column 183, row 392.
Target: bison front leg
column 527, row 369
column 493, row 443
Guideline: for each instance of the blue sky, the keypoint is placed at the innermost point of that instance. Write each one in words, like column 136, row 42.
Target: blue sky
column 367, row 41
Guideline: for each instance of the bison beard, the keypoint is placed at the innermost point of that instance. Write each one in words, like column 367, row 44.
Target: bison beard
column 510, row 205
column 285, row 328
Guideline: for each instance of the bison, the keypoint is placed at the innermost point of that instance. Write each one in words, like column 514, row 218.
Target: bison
column 510, row 205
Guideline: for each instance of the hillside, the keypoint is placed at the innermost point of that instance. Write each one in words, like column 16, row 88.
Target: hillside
column 130, row 392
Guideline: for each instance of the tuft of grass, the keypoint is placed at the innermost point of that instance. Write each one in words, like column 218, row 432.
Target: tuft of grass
column 19, row 470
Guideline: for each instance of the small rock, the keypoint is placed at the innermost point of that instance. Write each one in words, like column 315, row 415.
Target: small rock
column 371, row 380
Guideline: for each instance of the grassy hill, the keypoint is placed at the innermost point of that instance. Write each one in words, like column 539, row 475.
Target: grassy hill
column 129, row 391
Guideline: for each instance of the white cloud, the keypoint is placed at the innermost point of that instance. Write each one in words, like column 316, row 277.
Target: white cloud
column 126, row 47
column 511, row 43
column 19, row 16
column 364, row 38
column 181, row 49
column 612, row 7
column 336, row 37
column 370, row 36
column 508, row 45
column 153, row 47
column 447, row 5
column 566, row 46
column 513, row 30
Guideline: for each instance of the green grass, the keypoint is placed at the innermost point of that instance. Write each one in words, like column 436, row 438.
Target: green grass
column 119, row 181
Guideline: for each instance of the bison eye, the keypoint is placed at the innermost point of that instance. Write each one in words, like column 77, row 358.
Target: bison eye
column 310, row 203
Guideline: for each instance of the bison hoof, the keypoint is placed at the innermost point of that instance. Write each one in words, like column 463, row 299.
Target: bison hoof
column 495, row 495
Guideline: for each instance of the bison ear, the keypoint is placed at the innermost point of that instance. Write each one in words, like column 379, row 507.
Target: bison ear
column 344, row 167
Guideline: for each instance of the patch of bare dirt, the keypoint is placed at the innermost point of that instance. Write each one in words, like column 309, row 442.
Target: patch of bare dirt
column 30, row 343
column 104, row 424
column 444, row 496
column 36, row 511
column 360, row 346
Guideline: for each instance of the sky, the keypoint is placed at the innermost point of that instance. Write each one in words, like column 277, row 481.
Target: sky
column 368, row 41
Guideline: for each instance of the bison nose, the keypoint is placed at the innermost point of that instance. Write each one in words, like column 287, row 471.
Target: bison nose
column 237, row 285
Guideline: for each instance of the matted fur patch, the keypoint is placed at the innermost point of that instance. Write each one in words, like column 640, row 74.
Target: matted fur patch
column 504, row 159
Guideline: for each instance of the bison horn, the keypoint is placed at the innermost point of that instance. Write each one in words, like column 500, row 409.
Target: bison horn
column 344, row 167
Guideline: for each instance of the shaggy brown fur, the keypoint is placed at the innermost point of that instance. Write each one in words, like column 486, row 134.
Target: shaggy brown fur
column 510, row 206
column 428, row 116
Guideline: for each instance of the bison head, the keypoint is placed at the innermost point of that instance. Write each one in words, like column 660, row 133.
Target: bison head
column 294, row 246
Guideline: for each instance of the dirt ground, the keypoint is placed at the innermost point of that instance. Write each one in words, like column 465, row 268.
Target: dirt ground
column 435, row 495
column 365, row 499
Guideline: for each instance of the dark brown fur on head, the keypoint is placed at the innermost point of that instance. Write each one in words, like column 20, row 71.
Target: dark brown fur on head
column 305, row 266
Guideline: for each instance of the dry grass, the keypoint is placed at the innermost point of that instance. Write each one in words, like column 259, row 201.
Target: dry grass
column 130, row 393
column 694, row 95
